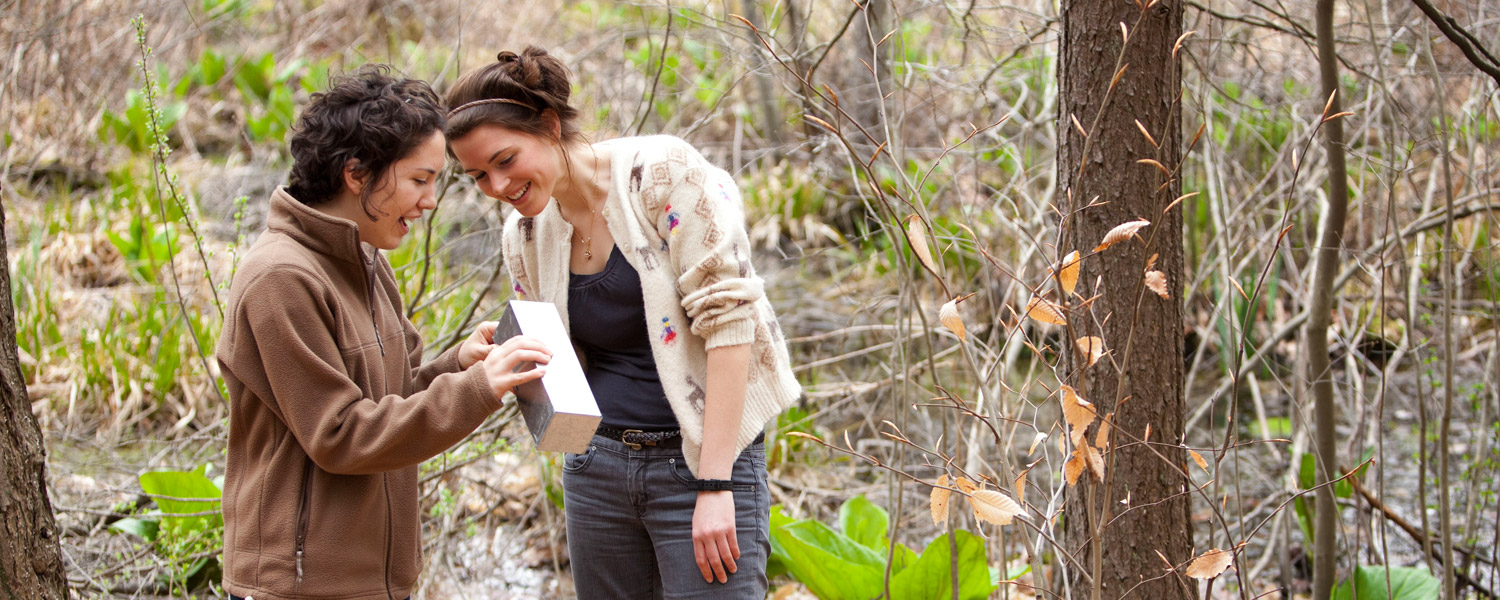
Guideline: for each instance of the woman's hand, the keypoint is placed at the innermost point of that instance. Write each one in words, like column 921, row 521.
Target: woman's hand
column 501, row 363
column 478, row 345
column 714, row 543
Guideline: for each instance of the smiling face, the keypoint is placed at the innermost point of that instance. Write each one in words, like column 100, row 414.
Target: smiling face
column 405, row 192
column 518, row 168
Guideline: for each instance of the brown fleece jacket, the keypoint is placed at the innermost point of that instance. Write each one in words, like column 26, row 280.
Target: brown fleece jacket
column 331, row 412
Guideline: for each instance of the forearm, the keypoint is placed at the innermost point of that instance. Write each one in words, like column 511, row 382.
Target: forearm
column 728, row 375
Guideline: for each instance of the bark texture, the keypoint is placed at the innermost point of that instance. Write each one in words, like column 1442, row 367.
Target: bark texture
column 30, row 557
column 1142, row 328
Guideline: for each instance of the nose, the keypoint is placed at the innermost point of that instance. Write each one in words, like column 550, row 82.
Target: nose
column 495, row 185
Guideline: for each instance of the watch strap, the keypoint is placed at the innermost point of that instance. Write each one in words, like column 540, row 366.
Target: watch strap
column 714, row 485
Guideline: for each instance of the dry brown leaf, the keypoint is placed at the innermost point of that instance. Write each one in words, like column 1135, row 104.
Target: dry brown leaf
column 1156, row 281
column 1141, row 127
column 1178, row 44
column 1101, row 439
column 1160, row 167
column 1069, row 275
column 1045, row 311
column 1021, row 487
column 916, row 232
column 994, row 507
column 965, row 486
column 1210, row 564
column 1079, row 413
column 1198, row 458
column 1091, row 347
column 1151, row 262
column 1075, row 466
column 940, row 500
column 1121, row 233
column 1096, row 461
column 948, row 314
column 1040, row 435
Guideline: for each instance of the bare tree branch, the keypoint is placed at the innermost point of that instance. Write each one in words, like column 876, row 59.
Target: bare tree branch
column 1480, row 57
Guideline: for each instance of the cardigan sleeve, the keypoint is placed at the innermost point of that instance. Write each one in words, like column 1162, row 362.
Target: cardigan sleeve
column 703, row 222
column 511, row 252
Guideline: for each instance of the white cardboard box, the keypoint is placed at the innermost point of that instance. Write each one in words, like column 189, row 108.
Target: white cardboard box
column 559, row 408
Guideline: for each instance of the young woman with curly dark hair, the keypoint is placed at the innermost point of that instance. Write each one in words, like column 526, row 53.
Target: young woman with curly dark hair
column 331, row 406
column 641, row 243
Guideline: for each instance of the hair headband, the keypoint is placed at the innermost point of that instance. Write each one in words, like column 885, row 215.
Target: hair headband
column 488, row 101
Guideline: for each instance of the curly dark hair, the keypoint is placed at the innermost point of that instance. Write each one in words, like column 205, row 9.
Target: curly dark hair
column 366, row 121
column 520, row 88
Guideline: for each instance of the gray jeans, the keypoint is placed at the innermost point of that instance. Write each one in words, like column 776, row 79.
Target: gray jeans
column 630, row 524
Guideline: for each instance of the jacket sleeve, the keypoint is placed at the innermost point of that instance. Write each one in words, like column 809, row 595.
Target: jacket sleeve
column 704, row 225
column 424, row 374
column 290, row 318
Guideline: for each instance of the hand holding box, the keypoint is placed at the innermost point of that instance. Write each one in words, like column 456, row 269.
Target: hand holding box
column 559, row 408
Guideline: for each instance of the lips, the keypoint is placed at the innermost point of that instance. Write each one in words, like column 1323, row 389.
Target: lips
column 518, row 196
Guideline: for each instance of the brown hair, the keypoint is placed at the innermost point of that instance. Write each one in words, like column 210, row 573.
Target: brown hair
column 368, row 117
column 514, row 92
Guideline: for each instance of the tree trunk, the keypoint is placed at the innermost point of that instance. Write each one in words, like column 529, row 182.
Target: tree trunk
column 1141, row 329
column 30, row 557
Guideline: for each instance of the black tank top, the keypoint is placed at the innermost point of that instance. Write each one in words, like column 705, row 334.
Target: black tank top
column 608, row 321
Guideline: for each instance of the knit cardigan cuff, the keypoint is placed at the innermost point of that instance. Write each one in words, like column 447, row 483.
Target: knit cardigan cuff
column 731, row 334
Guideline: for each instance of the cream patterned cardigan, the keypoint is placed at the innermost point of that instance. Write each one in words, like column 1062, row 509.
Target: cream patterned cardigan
column 678, row 220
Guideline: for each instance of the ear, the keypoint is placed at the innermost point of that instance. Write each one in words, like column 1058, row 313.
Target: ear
column 554, row 123
column 354, row 177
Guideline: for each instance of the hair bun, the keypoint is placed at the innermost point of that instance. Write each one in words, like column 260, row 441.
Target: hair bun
column 506, row 56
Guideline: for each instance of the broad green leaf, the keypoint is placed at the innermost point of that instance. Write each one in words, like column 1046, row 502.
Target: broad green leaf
column 931, row 578
column 178, row 484
column 1407, row 583
column 832, row 566
column 864, row 522
column 140, row 528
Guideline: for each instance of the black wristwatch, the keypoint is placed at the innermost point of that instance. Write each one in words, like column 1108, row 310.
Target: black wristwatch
column 713, row 485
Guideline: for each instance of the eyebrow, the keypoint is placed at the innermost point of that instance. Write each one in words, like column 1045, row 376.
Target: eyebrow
column 489, row 160
column 429, row 171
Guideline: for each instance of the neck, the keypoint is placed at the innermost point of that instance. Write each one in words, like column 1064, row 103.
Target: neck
column 585, row 181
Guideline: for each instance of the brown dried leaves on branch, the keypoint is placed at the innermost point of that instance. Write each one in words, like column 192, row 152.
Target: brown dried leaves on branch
column 1069, row 275
column 1091, row 348
column 994, row 507
column 1120, row 233
column 1042, row 309
column 948, row 314
column 1079, row 414
column 1210, row 564
column 916, row 232
column 940, row 495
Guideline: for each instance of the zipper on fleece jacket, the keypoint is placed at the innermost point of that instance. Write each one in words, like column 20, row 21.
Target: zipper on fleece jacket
column 303, row 516
column 370, row 299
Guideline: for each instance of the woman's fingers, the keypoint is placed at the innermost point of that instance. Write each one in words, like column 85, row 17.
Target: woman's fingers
column 486, row 331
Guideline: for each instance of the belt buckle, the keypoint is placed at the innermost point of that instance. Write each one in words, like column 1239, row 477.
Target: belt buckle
column 624, row 435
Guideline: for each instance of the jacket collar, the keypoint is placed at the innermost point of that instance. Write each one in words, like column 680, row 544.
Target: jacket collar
column 315, row 229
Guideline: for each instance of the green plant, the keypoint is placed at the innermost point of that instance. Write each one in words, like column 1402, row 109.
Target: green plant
column 132, row 128
column 186, row 529
column 1369, row 583
column 851, row 564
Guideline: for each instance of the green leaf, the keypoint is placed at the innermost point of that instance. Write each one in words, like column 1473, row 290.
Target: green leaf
column 932, row 578
column 178, row 484
column 864, row 522
column 141, row 528
column 832, row 566
column 1407, row 583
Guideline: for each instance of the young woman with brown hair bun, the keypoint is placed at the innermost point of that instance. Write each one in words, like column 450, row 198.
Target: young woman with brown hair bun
column 641, row 244
column 331, row 408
